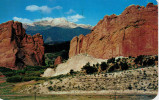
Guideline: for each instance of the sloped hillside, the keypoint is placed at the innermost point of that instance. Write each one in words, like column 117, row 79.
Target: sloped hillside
column 75, row 63
column 136, row 81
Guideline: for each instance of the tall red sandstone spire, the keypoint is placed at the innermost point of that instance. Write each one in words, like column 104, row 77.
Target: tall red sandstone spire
column 17, row 49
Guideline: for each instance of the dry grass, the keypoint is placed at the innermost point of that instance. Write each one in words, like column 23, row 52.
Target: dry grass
column 142, row 80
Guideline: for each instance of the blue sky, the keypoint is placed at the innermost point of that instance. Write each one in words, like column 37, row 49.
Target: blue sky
column 78, row 11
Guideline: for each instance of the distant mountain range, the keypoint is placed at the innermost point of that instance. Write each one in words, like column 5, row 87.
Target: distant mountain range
column 57, row 30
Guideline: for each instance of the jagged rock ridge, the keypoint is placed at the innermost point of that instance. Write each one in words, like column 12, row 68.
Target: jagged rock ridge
column 133, row 33
column 19, row 49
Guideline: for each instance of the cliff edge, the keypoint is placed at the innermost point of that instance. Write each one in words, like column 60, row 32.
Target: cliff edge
column 132, row 33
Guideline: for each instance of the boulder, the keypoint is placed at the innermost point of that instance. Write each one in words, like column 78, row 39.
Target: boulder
column 58, row 60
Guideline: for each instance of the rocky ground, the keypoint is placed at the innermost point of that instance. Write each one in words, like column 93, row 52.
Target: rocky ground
column 136, row 81
column 75, row 63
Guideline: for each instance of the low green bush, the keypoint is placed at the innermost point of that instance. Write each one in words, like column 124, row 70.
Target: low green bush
column 34, row 68
column 124, row 66
column 40, row 78
column 28, row 78
column 50, row 88
column 139, row 59
column 27, row 74
column 4, row 69
column 9, row 74
column 104, row 66
column 111, row 60
column 89, row 69
column 33, row 73
column 14, row 79
column 149, row 62
column 111, row 69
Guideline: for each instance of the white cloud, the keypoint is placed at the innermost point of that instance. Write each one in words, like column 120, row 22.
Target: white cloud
column 70, row 11
column 32, row 8
column 23, row 20
column 45, row 18
column 75, row 18
column 57, row 7
column 43, row 9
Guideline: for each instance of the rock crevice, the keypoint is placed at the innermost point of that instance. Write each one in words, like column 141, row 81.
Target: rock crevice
column 19, row 49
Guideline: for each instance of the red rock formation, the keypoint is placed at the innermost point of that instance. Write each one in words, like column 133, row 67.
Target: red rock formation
column 133, row 33
column 58, row 60
column 19, row 49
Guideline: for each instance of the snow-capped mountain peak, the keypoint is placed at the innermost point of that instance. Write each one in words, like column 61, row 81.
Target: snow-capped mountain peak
column 58, row 22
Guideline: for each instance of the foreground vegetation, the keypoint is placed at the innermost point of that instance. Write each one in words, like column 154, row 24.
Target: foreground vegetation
column 27, row 74
column 112, row 65
column 6, row 88
column 129, row 73
column 135, row 81
column 121, row 64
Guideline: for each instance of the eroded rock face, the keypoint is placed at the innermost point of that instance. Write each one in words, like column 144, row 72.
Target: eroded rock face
column 17, row 49
column 58, row 60
column 133, row 33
